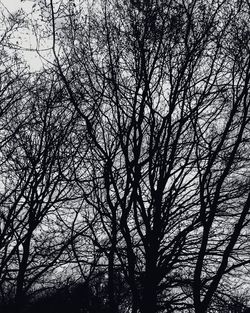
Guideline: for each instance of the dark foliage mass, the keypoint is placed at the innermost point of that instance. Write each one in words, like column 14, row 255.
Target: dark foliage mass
column 125, row 157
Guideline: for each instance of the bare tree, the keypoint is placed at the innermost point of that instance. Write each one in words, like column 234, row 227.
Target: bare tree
column 36, row 187
column 161, row 90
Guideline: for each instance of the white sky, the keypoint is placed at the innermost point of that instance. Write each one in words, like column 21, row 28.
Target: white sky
column 25, row 39
column 14, row 5
column 28, row 39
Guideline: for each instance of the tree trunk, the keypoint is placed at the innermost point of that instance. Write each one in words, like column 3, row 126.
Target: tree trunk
column 20, row 294
column 111, row 288
column 149, row 297
column 149, row 293
column 199, row 309
column 113, row 307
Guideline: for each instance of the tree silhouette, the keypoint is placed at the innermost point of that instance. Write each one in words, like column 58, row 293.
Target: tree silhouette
column 132, row 155
column 165, row 104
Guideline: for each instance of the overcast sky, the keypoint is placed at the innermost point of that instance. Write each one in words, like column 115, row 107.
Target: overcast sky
column 28, row 38
column 14, row 5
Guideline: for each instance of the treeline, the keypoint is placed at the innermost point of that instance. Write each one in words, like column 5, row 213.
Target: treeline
column 124, row 161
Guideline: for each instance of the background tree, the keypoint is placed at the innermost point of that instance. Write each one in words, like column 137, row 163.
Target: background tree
column 35, row 190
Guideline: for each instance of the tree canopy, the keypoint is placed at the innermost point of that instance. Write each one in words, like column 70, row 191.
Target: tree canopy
column 125, row 158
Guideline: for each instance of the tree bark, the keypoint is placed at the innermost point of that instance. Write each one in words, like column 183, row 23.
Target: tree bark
column 20, row 294
column 149, row 297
